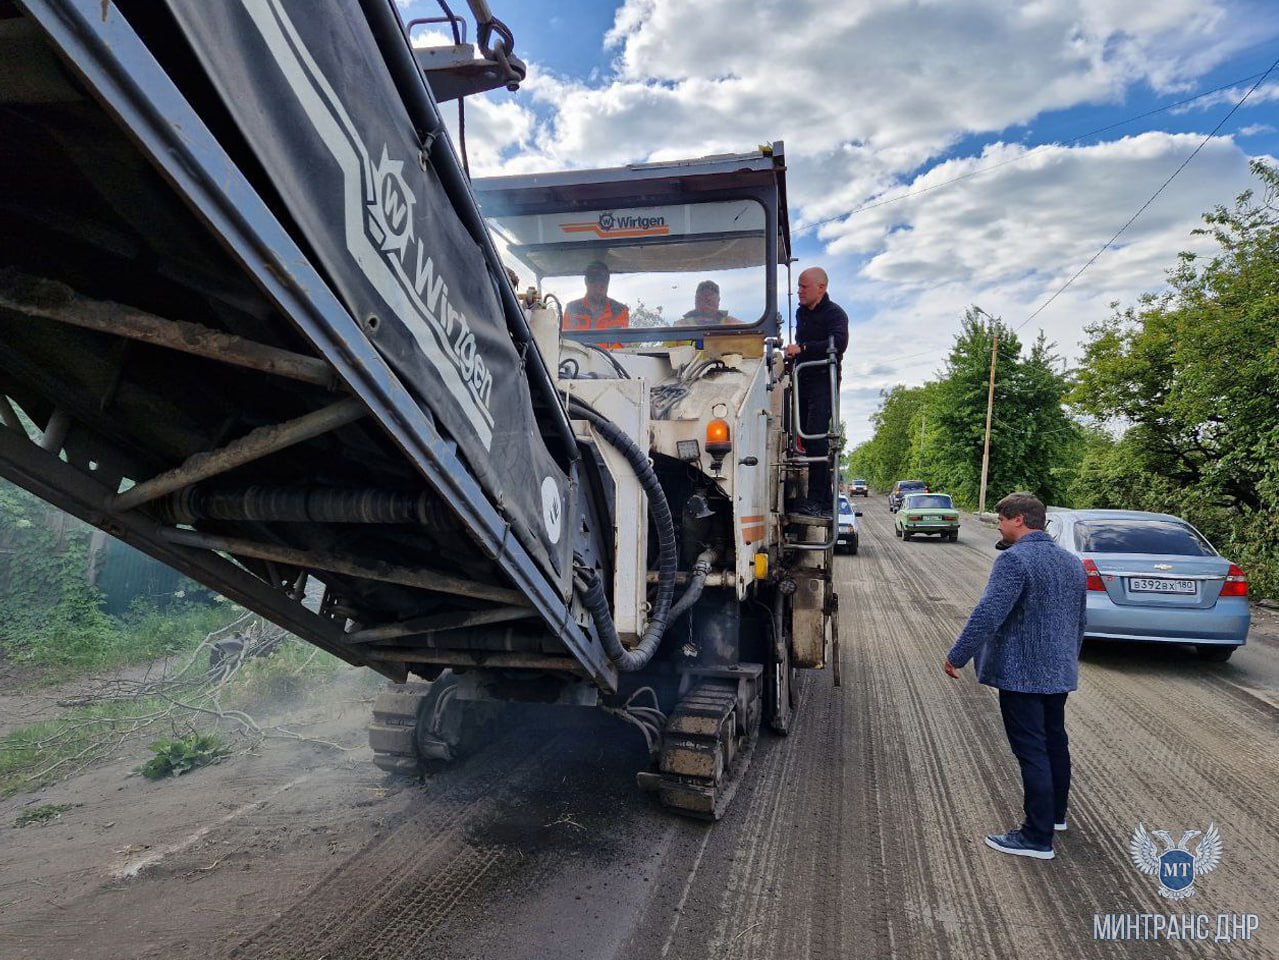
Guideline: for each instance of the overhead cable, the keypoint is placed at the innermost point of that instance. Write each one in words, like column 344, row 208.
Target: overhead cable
column 1032, row 152
column 1163, row 186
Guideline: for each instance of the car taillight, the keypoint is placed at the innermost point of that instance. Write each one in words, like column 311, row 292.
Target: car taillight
column 1236, row 584
column 950, row 518
column 916, row 517
column 1094, row 576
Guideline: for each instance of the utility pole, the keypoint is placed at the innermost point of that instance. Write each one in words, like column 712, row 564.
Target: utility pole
column 990, row 409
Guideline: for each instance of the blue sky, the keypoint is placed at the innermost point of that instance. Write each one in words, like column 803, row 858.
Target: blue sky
column 877, row 98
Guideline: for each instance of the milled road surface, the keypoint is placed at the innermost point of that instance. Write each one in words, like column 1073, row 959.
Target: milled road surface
column 860, row 835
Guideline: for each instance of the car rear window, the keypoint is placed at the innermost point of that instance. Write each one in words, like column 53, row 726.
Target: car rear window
column 1140, row 536
column 906, row 485
column 926, row 501
column 844, row 506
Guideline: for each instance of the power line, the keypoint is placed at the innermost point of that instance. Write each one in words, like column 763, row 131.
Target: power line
column 1153, row 196
column 1029, row 153
column 1260, row 79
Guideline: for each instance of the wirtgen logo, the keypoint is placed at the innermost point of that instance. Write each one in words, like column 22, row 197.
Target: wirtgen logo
column 391, row 208
column 390, row 223
column 615, row 226
column 381, row 232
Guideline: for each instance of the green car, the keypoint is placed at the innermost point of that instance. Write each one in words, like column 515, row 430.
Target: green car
column 927, row 513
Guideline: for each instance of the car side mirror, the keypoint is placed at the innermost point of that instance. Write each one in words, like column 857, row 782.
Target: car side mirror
column 857, row 513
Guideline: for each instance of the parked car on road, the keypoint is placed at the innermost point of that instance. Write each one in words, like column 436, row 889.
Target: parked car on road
column 847, row 534
column 1153, row 577
column 901, row 488
column 932, row 513
column 859, row 488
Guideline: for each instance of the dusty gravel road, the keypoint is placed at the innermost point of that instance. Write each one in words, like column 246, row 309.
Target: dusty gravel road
column 858, row 836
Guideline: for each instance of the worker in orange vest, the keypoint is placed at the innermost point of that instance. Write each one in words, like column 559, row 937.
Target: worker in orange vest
column 597, row 310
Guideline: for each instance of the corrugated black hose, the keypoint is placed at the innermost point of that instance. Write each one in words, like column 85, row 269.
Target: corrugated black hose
column 659, row 510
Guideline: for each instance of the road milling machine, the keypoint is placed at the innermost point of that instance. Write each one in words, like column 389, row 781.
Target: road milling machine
column 257, row 321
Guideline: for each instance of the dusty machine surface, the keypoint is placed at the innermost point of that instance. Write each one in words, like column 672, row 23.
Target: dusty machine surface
column 264, row 328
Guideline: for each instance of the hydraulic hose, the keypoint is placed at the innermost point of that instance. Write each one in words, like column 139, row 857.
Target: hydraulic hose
column 593, row 594
column 693, row 592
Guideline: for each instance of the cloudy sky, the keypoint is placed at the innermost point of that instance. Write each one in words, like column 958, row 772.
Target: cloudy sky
column 940, row 154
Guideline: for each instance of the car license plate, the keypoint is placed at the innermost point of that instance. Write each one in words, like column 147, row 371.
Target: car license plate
column 1142, row 585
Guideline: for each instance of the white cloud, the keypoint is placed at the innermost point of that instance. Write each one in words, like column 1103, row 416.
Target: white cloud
column 1266, row 93
column 496, row 131
column 1256, row 129
column 1008, row 240
column 868, row 94
column 1052, row 210
column 864, row 91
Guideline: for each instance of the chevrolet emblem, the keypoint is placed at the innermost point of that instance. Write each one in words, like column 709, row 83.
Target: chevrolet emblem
column 1163, row 566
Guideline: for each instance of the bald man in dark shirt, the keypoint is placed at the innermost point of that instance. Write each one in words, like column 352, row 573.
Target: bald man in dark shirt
column 816, row 321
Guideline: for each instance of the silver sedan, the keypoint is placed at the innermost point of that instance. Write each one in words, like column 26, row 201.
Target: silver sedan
column 1153, row 577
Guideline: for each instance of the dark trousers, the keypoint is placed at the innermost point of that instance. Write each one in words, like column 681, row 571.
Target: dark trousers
column 814, row 408
column 1036, row 728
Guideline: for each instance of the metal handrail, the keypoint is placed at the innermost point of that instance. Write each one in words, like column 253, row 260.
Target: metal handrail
column 832, row 364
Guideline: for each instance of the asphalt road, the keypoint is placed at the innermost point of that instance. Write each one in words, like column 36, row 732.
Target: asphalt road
column 859, row 835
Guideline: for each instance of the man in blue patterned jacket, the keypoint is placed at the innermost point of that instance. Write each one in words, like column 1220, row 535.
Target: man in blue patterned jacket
column 1024, row 636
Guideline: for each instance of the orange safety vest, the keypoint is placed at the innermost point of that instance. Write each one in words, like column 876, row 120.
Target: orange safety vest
column 578, row 315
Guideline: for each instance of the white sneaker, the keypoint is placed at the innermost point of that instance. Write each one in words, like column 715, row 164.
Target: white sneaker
column 1060, row 827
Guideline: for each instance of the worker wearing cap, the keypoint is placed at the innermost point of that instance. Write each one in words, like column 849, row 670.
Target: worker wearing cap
column 705, row 308
column 597, row 310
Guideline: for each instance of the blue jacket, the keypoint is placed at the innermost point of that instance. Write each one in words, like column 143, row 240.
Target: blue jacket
column 1026, row 631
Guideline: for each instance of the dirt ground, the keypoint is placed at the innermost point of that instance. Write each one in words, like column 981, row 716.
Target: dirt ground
column 860, row 835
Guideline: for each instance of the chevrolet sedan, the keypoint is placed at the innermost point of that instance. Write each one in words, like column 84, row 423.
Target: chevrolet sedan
column 932, row 513
column 1153, row 577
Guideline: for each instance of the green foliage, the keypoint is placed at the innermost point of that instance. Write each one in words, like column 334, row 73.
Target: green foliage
column 46, row 605
column 174, row 757
column 1181, row 390
column 41, row 753
column 1192, row 374
column 42, row 814
column 892, row 454
column 935, row 432
column 50, row 616
column 1031, row 436
column 96, row 642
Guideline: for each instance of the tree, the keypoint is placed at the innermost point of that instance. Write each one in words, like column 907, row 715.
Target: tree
column 1031, row 435
column 887, row 456
column 643, row 315
column 1192, row 375
column 1194, row 370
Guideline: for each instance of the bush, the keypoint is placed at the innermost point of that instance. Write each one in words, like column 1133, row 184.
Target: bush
column 174, row 757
